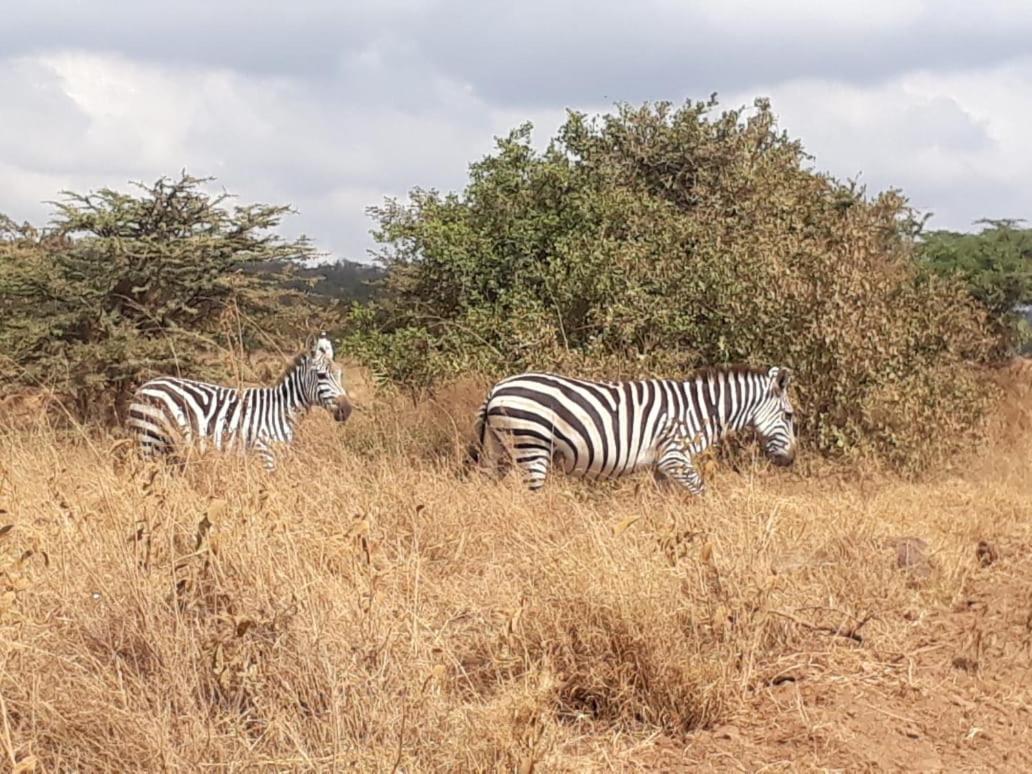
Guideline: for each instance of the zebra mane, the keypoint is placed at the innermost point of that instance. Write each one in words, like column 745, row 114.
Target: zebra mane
column 294, row 365
column 733, row 369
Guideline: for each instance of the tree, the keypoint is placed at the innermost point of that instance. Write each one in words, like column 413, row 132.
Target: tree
column 121, row 286
column 344, row 281
column 995, row 265
column 655, row 239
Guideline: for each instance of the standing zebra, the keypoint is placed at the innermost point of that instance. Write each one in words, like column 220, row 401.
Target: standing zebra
column 168, row 412
column 608, row 429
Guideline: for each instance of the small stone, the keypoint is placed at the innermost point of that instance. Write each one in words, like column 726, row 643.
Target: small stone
column 986, row 553
column 727, row 731
column 965, row 663
column 910, row 553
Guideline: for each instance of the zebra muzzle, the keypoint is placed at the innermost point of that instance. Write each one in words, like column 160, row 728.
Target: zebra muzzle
column 342, row 409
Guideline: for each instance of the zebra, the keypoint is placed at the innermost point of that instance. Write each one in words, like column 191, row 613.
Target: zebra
column 168, row 412
column 608, row 429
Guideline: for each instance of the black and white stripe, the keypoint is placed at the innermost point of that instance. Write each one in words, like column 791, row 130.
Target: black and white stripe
column 608, row 429
column 167, row 412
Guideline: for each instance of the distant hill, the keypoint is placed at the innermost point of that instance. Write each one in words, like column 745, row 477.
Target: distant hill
column 345, row 280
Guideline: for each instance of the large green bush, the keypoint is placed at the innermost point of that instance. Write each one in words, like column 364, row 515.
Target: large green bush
column 123, row 286
column 656, row 239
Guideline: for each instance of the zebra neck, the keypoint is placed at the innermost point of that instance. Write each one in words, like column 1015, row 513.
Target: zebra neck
column 290, row 396
column 729, row 407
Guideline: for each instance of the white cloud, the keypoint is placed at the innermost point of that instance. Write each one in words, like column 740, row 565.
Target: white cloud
column 89, row 120
column 332, row 106
column 955, row 143
column 855, row 18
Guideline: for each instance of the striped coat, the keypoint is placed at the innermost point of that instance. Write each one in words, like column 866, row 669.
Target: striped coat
column 169, row 413
column 608, row 429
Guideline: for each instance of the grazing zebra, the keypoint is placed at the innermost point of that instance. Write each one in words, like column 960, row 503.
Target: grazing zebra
column 608, row 429
column 168, row 412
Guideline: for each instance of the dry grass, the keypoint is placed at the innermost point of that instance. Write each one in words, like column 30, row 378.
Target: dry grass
column 369, row 605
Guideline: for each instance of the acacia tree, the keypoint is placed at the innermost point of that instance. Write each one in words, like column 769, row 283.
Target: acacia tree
column 124, row 285
column 656, row 239
column 996, row 266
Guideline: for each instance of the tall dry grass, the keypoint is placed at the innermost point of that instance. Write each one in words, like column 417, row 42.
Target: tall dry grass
column 370, row 605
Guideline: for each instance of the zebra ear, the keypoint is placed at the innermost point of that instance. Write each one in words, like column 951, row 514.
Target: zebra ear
column 323, row 349
column 779, row 379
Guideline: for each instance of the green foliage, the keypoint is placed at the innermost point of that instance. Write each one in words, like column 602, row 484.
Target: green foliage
column 1023, row 331
column 342, row 281
column 996, row 266
column 655, row 239
column 123, row 286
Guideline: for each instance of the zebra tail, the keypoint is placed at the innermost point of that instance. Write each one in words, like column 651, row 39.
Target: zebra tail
column 476, row 446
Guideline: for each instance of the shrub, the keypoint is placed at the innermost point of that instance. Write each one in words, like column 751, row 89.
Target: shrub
column 653, row 240
column 996, row 266
column 120, row 287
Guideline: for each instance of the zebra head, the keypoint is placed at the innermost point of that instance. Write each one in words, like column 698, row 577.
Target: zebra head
column 774, row 420
column 324, row 384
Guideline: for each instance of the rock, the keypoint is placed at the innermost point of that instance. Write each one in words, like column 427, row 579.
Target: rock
column 910, row 553
column 986, row 553
column 965, row 663
column 727, row 731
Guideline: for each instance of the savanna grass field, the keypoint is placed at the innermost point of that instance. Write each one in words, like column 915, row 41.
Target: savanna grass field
column 374, row 605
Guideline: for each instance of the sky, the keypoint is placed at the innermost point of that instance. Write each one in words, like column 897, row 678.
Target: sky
column 332, row 106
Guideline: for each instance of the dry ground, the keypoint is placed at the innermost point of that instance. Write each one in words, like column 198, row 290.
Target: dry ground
column 368, row 606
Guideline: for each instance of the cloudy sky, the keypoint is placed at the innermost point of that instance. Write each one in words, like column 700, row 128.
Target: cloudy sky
column 331, row 106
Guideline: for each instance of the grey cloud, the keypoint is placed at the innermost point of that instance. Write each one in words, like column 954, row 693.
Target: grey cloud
column 543, row 53
column 262, row 37
column 265, row 139
column 32, row 93
column 331, row 106
column 944, row 123
column 959, row 207
column 532, row 53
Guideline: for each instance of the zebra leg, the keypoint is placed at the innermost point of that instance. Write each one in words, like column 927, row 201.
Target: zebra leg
column 169, row 454
column 152, row 448
column 677, row 466
column 535, row 464
column 503, row 449
column 147, row 449
column 267, row 455
column 532, row 455
column 150, row 442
